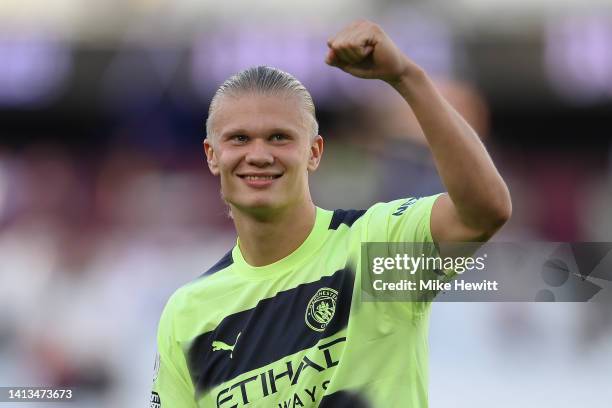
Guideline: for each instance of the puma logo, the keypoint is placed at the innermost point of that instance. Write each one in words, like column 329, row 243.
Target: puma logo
column 219, row 345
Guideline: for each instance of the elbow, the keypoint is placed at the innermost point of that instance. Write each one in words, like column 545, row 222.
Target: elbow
column 503, row 211
column 498, row 216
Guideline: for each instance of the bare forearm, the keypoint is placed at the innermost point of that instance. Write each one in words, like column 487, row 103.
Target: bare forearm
column 478, row 202
column 473, row 183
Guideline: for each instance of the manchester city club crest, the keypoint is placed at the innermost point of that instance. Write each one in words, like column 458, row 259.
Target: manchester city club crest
column 321, row 309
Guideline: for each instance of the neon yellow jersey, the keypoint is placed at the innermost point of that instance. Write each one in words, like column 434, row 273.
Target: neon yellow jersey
column 296, row 333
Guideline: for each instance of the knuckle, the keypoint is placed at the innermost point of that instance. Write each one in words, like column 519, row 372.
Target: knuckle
column 375, row 28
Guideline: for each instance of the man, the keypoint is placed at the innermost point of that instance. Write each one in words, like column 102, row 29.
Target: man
column 279, row 321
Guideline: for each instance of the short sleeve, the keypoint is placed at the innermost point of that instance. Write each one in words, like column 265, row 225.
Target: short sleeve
column 402, row 227
column 404, row 220
column 172, row 385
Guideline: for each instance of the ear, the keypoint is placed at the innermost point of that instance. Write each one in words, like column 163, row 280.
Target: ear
column 316, row 151
column 211, row 157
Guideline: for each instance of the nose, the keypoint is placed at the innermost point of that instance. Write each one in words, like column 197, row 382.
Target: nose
column 259, row 154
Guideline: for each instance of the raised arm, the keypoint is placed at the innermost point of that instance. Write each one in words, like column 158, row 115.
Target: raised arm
column 478, row 202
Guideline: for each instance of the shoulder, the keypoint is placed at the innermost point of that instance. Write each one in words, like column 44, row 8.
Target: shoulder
column 404, row 219
column 187, row 293
column 381, row 211
column 225, row 262
column 403, row 207
column 345, row 217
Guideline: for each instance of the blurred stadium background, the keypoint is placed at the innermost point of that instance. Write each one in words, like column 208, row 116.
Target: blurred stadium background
column 106, row 205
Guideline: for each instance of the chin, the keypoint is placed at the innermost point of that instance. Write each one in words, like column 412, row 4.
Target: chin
column 256, row 205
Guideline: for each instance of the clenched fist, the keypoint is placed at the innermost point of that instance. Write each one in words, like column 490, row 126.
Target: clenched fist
column 364, row 50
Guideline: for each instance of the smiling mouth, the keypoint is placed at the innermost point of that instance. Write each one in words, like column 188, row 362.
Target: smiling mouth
column 254, row 178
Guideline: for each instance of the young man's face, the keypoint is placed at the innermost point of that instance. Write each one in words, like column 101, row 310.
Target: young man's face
column 262, row 149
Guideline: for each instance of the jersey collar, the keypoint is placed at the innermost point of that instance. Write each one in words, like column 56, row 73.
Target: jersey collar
column 308, row 248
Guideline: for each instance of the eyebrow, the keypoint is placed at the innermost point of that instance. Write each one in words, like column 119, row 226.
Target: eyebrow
column 239, row 130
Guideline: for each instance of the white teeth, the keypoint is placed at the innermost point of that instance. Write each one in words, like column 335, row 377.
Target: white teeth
column 259, row 177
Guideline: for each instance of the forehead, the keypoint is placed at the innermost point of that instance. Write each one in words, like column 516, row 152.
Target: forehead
column 256, row 112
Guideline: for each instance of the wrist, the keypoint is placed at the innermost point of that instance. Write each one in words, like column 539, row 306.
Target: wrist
column 411, row 77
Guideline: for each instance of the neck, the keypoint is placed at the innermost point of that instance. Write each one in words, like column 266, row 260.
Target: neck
column 266, row 240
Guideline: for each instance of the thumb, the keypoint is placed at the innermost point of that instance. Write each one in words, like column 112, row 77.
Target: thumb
column 366, row 50
column 330, row 57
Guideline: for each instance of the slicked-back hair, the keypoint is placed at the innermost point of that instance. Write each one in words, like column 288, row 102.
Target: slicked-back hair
column 267, row 81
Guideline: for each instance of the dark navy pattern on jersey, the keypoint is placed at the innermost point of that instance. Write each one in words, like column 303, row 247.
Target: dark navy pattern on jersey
column 223, row 263
column 347, row 217
column 270, row 331
column 344, row 399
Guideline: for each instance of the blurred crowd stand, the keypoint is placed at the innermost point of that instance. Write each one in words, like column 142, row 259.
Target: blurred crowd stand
column 92, row 246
